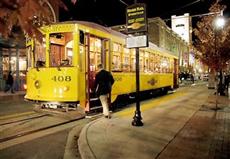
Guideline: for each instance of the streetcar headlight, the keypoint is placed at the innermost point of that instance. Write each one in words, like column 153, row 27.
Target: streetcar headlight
column 37, row 84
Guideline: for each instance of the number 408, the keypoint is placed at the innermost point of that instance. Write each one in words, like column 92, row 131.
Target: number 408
column 61, row 78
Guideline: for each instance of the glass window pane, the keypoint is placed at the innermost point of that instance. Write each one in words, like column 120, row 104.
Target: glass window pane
column 116, row 59
column 61, row 49
column 40, row 54
column 29, row 56
column 95, row 52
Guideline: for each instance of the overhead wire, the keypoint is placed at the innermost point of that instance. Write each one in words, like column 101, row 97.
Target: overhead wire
column 123, row 2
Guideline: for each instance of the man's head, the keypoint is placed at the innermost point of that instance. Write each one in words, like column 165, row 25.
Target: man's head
column 99, row 66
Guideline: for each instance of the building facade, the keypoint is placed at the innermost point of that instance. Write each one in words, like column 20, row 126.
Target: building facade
column 164, row 37
column 13, row 56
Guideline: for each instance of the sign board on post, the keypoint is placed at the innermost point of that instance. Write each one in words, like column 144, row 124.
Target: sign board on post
column 136, row 18
column 137, row 25
column 137, row 41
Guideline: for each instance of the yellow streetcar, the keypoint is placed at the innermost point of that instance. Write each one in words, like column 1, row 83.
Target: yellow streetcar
column 61, row 68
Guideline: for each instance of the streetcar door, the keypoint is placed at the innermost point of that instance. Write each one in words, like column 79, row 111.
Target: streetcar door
column 97, row 53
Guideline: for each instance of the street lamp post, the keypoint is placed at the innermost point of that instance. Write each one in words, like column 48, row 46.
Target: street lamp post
column 219, row 23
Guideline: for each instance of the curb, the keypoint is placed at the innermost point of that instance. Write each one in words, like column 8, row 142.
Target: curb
column 70, row 147
column 83, row 145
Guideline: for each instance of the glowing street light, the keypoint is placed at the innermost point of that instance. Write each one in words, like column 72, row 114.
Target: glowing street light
column 219, row 22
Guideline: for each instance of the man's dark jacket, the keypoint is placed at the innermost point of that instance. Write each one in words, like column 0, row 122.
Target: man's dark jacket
column 10, row 80
column 103, row 82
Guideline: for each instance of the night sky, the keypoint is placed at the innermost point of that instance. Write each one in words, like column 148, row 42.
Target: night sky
column 113, row 12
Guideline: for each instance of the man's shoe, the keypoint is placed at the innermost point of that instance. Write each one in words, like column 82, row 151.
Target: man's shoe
column 108, row 116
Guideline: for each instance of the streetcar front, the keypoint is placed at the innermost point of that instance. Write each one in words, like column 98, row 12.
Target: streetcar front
column 53, row 71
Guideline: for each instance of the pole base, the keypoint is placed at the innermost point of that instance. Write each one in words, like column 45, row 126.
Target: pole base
column 137, row 119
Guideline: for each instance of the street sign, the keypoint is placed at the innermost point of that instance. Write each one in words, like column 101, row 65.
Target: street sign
column 136, row 18
column 136, row 24
column 137, row 41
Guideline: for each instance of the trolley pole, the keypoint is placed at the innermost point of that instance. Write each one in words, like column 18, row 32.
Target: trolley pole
column 137, row 116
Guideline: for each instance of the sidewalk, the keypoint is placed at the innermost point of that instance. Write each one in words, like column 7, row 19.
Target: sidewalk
column 2, row 93
column 184, row 128
column 8, row 95
column 189, row 83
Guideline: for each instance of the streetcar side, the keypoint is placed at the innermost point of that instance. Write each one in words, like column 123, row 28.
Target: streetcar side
column 158, row 71
column 63, row 65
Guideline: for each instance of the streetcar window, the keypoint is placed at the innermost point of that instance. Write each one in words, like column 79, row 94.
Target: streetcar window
column 146, row 62
column 116, row 61
column 141, row 61
column 126, row 60
column 95, row 52
column 82, row 37
column 61, row 49
column 146, row 65
column 29, row 56
column 157, row 64
column 164, row 65
column 133, row 60
column 40, row 53
column 151, row 63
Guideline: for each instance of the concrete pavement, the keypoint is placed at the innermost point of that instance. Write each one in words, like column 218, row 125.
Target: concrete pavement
column 187, row 126
column 182, row 125
column 3, row 94
column 11, row 96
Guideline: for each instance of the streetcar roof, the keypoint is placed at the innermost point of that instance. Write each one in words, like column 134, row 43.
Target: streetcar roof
column 95, row 26
column 102, row 28
column 113, row 32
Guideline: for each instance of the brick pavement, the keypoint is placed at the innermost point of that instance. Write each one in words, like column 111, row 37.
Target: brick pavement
column 205, row 136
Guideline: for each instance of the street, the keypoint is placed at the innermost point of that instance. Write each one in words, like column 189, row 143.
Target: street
column 18, row 117
column 56, row 142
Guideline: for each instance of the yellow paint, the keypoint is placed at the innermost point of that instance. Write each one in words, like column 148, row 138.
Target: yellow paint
column 150, row 104
column 54, row 84
column 126, row 82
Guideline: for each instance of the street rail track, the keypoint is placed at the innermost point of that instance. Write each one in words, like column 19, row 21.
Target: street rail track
column 38, row 130
column 21, row 120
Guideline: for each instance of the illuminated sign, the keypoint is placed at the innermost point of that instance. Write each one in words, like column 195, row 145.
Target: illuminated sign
column 136, row 18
